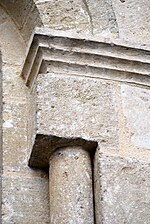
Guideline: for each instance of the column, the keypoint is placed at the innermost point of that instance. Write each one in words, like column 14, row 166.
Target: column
column 69, row 161
column 71, row 187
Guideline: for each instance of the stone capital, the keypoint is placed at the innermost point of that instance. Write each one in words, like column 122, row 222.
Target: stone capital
column 46, row 145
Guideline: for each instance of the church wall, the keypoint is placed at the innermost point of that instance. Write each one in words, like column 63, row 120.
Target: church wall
column 114, row 114
column 120, row 123
column 124, row 19
column 24, row 191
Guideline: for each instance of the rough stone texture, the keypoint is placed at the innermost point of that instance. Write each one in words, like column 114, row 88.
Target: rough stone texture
column 24, row 14
column 25, row 200
column 126, row 19
column 17, row 101
column 136, row 109
column 71, row 193
column 86, row 56
column 125, row 190
column 79, row 107
column 133, row 20
column 122, row 185
column 45, row 145
column 81, row 16
column 1, row 150
column 65, row 15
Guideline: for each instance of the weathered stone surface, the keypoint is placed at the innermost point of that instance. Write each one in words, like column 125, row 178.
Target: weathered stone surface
column 45, row 145
column 12, row 51
column 15, row 113
column 20, row 12
column 125, row 190
column 1, row 150
column 128, row 20
column 82, row 16
column 65, row 15
column 16, row 121
column 25, row 200
column 136, row 109
column 71, row 193
column 13, row 84
column 15, row 141
column 102, row 17
column 76, row 107
column 85, row 56
column 133, row 20
column 122, row 192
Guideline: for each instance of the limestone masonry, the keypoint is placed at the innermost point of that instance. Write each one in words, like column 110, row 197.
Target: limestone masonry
column 75, row 112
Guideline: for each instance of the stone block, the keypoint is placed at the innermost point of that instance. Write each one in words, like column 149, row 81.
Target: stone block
column 125, row 190
column 13, row 83
column 136, row 109
column 65, row 15
column 25, row 200
column 85, row 16
column 13, row 46
column 15, row 135
column 133, row 20
column 77, row 107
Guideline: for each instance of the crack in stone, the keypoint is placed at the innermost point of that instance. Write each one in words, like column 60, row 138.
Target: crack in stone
column 89, row 14
column 114, row 28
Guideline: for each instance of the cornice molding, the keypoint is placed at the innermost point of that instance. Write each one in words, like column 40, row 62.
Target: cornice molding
column 81, row 56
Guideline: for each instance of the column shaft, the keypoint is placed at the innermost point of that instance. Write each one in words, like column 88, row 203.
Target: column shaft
column 71, row 193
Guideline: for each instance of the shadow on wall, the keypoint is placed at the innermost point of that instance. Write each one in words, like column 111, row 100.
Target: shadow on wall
column 24, row 14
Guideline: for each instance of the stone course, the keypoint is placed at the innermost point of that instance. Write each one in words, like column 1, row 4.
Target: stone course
column 125, row 194
column 85, row 107
column 126, row 19
column 78, row 102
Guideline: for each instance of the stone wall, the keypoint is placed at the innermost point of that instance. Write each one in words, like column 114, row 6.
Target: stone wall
column 1, row 150
column 88, row 17
column 121, row 111
column 124, row 19
column 24, row 14
column 115, row 115
column 24, row 190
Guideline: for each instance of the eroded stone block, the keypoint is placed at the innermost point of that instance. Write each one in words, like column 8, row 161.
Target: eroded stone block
column 65, row 15
column 136, row 109
column 125, row 190
column 76, row 107
column 25, row 200
column 133, row 20
column 78, row 16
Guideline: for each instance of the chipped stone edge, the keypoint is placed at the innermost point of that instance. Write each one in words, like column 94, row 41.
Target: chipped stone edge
column 60, row 33
column 45, row 145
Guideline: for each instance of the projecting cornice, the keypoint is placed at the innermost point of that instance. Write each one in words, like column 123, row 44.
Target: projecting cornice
column 86, row 57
